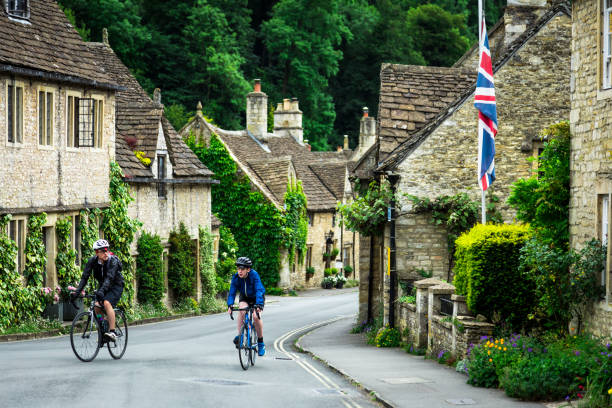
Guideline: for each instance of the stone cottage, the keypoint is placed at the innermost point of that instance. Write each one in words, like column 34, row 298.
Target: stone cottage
column 591, row 143
column 168, row 182
column 427, row 142
column 57, row 123
column 272, row 160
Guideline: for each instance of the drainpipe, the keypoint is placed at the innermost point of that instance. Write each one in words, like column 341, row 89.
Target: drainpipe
column 393, row 178
column 371, row 278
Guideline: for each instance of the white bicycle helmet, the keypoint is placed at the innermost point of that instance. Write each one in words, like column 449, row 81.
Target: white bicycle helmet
column 101, row 243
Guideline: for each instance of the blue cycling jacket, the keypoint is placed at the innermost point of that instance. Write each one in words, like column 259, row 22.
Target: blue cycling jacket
column 250, row 286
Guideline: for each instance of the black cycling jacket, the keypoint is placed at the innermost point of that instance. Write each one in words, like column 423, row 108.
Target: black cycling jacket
column 107, row 274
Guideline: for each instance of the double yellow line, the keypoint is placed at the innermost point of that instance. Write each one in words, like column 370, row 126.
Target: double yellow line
column 279, row 345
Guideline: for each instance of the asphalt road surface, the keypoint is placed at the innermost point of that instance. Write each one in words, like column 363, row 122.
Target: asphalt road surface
column 187, row 363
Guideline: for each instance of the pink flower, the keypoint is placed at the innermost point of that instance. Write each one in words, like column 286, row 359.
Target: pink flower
column 56, row 298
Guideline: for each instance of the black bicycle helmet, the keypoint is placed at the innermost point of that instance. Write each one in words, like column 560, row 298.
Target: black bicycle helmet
column 244, row 261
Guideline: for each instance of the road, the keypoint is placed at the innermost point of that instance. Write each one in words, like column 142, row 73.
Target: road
column 186, row 363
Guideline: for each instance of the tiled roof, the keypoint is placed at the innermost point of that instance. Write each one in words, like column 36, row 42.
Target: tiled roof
column 245, row 149
column 274, row 173
column 46, row 45
column 333, row 176
column 417, row 138
column 138, row 121
column 131, row 166
column 215, row 222
column 410, row 96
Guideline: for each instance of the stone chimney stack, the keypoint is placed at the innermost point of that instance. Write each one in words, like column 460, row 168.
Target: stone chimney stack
column 367, row 131
column 288, row 120
column 157, row 96
column 257, row 111
column 519, row 14
column 105, row 36
column 346, row 142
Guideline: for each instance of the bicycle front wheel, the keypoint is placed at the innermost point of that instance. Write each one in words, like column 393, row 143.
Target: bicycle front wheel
column 85, row 336
column 117, row 348
column 253, row 346
column 244, row 349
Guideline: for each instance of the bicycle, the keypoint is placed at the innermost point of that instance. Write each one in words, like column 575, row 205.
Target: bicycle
column 247, row 343
column 87, row 333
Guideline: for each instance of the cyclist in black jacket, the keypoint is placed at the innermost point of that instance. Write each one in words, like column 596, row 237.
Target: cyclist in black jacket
column 106, row 269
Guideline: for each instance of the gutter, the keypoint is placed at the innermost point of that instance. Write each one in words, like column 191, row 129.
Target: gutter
column 57, row 77
column 149, row 180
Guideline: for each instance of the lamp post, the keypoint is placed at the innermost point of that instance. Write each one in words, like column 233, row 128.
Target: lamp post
column 328, row 242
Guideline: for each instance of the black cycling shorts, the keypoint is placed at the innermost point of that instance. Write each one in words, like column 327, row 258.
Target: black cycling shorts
column 250, row 300
column 113, row 295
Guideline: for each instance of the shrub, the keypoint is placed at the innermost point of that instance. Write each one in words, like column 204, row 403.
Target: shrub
column 225, row 266
column 388, row 337
column 487, row 273
column 149, row 269
column 275, row 291
column 36, row 256
column 310, row 270
column 207, row 268
column 181, row 262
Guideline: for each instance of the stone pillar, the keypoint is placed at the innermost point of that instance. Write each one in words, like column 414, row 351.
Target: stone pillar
column 257, row 111
column 434, row 305
column 285, row 272
column 422, row 310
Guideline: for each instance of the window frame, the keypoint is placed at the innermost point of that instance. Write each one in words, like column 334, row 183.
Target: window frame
column 46, row 114
column 14, row 116
column 22, row 14
column 162, row 168
column 606, row 46
column 16, row 231
column 74, row 114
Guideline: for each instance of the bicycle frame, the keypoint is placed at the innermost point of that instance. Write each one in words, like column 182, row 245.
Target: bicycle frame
column 247, row 325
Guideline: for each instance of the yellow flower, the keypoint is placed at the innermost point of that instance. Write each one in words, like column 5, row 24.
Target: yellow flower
column 489, row 352
column 490, row 345
column 496, row 341
column 490, row 360
column 505, row 349
column 502, row 341
column 610, row 391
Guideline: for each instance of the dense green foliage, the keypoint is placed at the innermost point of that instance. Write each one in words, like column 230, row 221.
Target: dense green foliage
column 565, row 282
column 487, row 272
column 35, row 253
column 295, row 230
column 181, row 263
column 327, row 53
column 368, row 211
column 65, row 262
column 256, row 224
column 150, row 269
column 207, row 269
column 225, row 266
column 88, row 225
column 543, row 200
column 119, row 230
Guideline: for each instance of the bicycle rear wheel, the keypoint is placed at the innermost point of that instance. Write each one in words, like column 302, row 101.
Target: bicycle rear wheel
column 117, row 348
column 253, row 346
column 85, row 336
column 244, row 349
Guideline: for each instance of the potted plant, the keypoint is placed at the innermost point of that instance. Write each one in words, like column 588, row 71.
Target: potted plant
column 310, row 270
column 69, row 311
column 54, row 308
column 340, row 281
column 328, row 282
column 327, row 272
column 334, row 253
column 326, row 256
column 348, row 269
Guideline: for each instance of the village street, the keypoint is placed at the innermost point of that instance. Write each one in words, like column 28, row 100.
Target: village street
column 184, row 363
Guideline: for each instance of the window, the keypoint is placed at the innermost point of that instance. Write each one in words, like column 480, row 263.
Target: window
column 17, row 234
column 334, row 220
column 310, row 219
column 346, row 256
column 15, row 113
column 161, row 175
column 18, row 8
column 85, row 122
column 604, row 211
column 45, row 118
column 309, row 256
column 607, row 43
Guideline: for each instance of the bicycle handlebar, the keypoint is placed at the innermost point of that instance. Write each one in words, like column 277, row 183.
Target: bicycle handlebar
column 85, row 295
column 243, row 309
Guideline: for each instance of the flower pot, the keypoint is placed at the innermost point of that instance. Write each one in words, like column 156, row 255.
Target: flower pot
column 54, row 311
column 70, row 311
column 309, row 276
column 339, row 284
column 327, row 285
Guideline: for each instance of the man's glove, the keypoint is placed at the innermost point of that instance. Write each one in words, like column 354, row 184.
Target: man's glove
column 260, row 307
column 99, row 295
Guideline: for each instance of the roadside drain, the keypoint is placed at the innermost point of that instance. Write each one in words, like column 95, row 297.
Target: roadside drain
column 463, row 401
column 283, row 358
column 220, row 382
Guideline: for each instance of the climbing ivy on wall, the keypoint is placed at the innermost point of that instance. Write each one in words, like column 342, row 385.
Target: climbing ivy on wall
column 65, row 261
column 296, row 222
column 88, row 225
column 368, row 211
column 181, row 262
column 35, row 253
column 207, row 267
column 119, row 230
column 256, row 224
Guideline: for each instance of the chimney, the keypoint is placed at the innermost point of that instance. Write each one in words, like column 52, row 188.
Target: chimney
column 199, row 109
column 288, row 120
column 518, row 15
column 307, row 145
column 257, row 111
column 346, row 142
column 157, row 96
column 105, row 36
column 367, row 131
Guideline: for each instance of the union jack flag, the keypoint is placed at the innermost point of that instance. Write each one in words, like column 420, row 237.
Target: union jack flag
column 484, row 101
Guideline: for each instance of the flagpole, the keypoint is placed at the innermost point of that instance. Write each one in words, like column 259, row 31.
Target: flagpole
column 483, row 210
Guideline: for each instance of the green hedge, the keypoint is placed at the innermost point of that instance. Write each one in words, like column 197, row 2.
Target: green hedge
column 207, row 268
column 149, row 269
column 487, row 272
column 181, row 263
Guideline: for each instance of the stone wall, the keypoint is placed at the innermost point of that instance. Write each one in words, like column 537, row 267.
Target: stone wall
column 590, row 164
column 36, row 176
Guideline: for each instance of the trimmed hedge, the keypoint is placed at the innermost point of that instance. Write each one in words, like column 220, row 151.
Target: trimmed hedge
column 181, row 263
column 149, row 269
column 487, row 272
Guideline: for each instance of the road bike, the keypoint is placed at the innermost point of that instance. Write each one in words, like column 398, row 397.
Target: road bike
column 247, row 340
column 87, row 333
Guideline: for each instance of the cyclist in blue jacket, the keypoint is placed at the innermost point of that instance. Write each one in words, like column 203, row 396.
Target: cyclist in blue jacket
column 252, row 293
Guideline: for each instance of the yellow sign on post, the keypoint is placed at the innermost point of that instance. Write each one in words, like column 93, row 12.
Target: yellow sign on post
column 388, row 261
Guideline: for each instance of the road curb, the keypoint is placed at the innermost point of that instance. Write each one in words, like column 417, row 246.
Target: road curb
column 355, row 382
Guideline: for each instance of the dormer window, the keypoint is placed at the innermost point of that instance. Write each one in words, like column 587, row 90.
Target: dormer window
column 18, row 8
